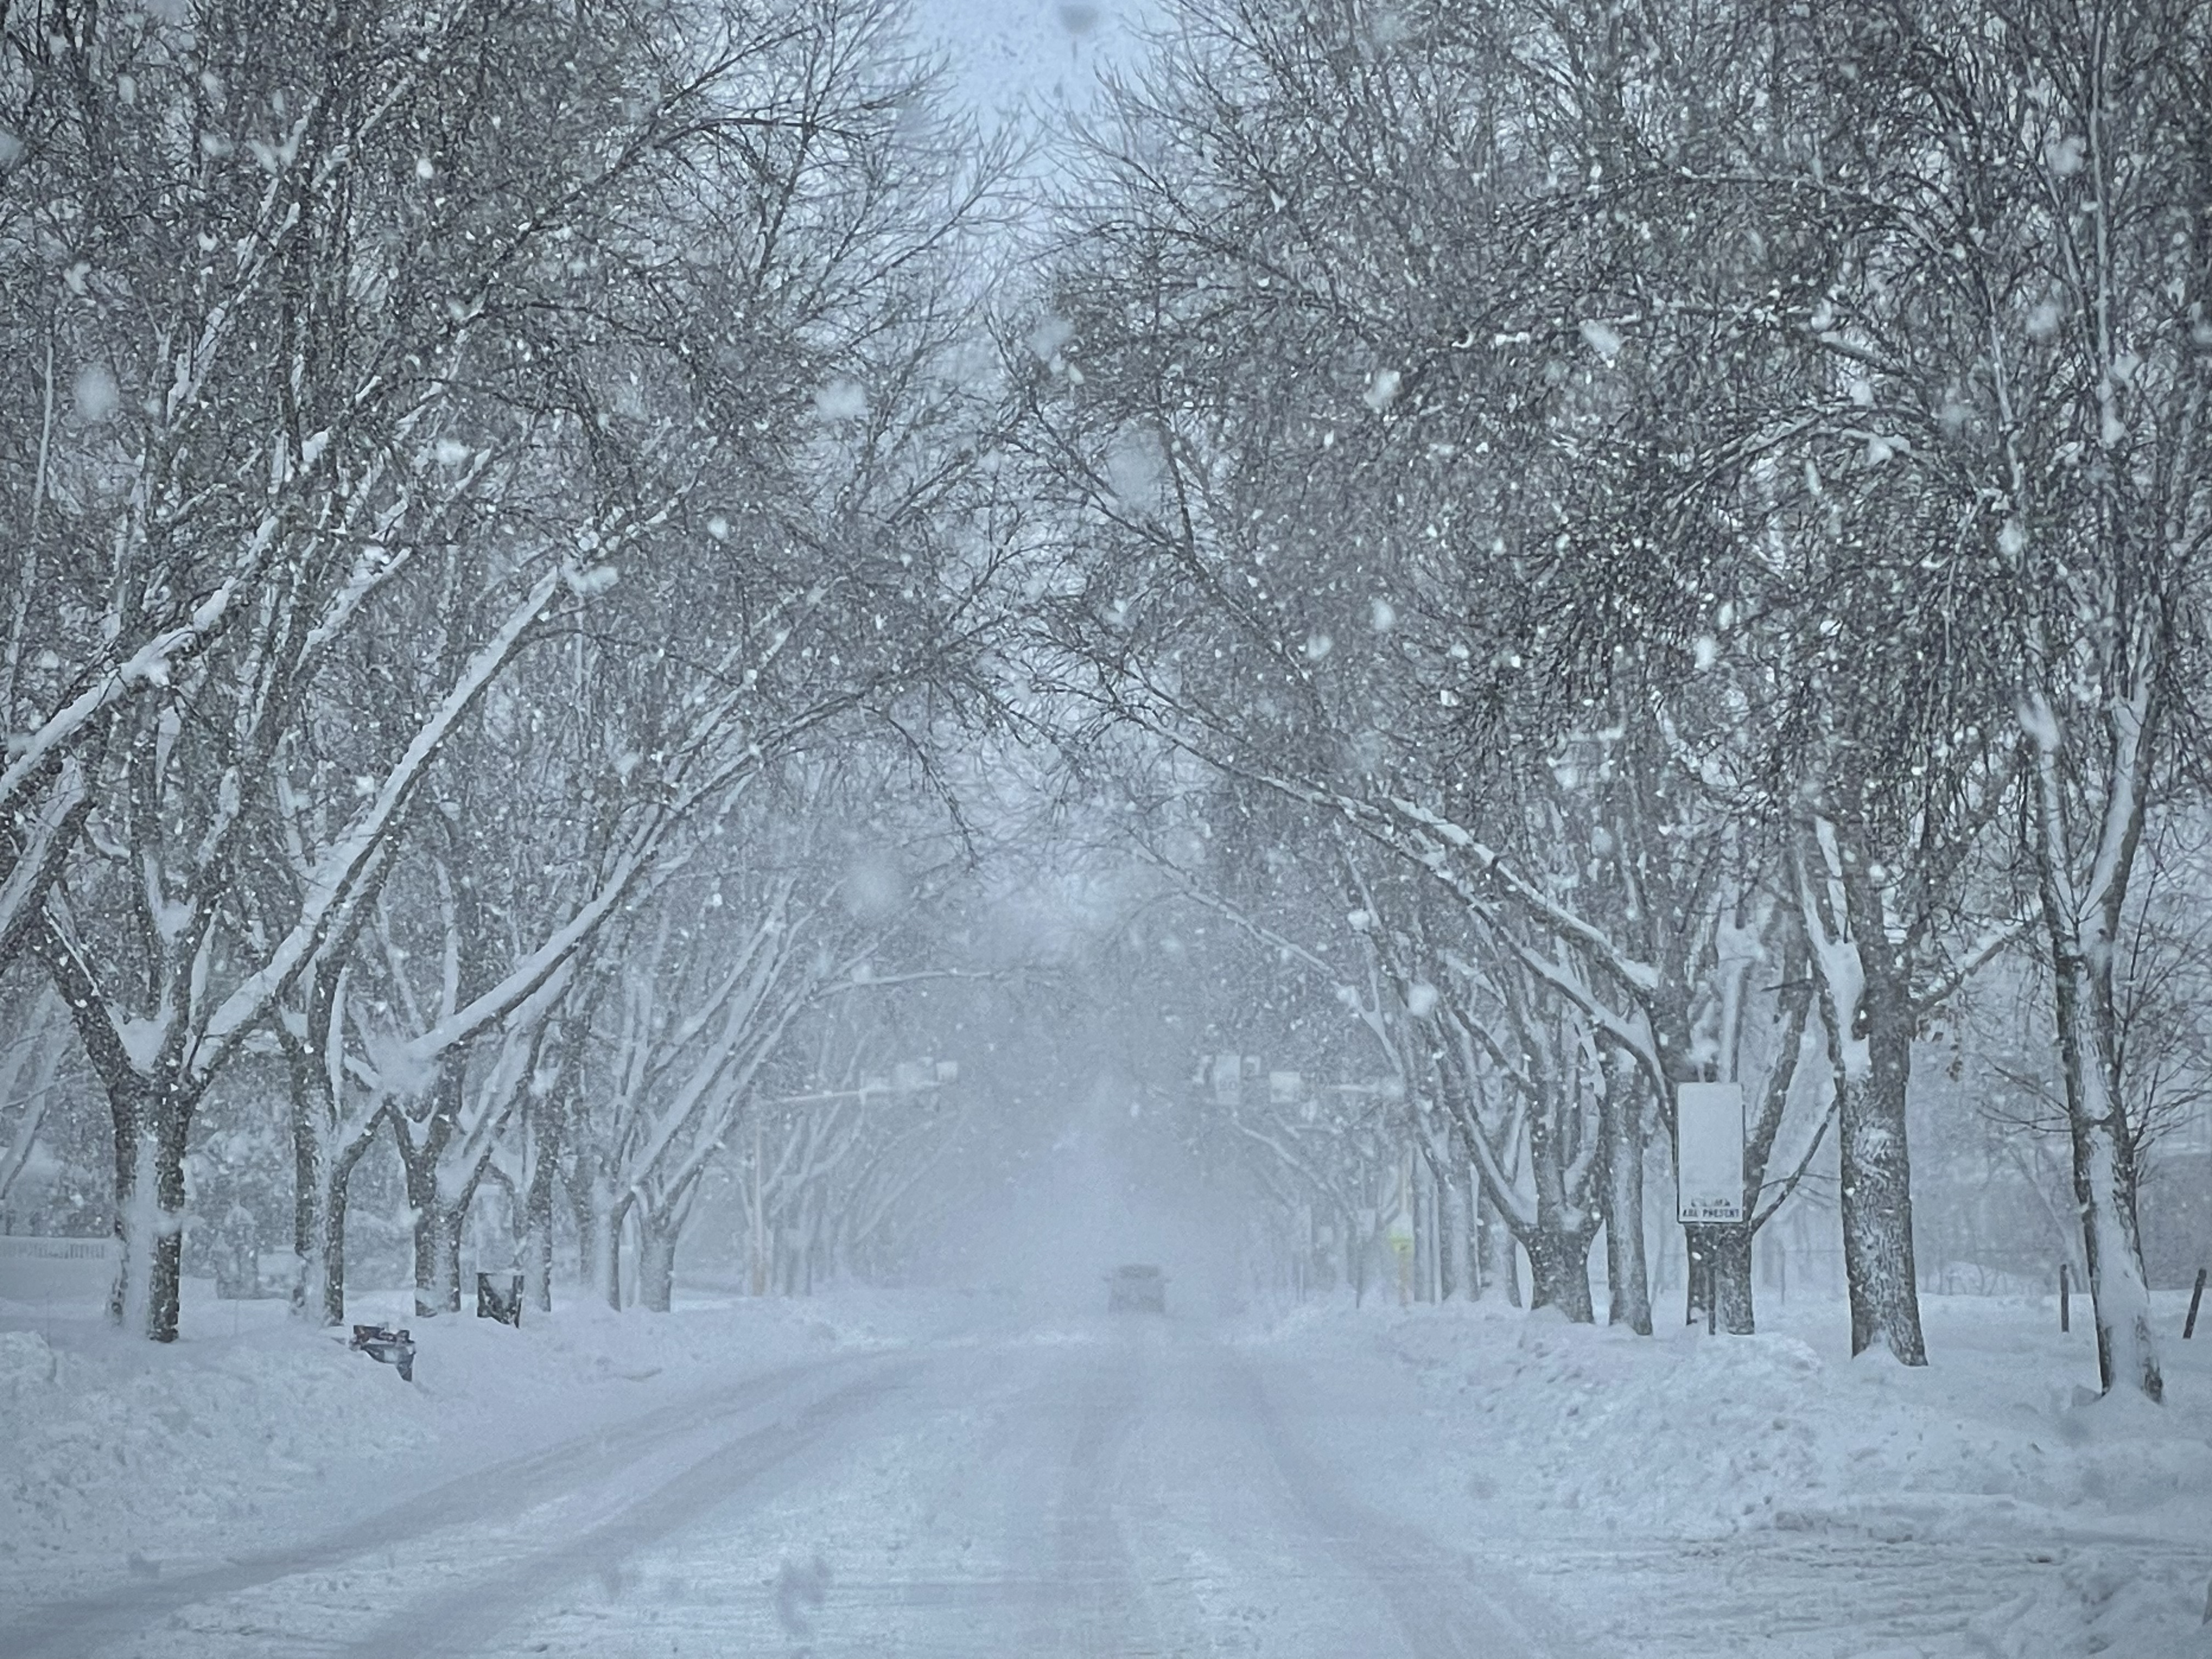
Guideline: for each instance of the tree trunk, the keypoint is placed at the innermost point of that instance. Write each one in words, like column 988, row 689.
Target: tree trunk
column 2080, row 927
column 1877, row 1209
column 1355, row 1259
column 150, row 1127
column 1870, row 1018
column 310, row 1212
column 2119, row 1290
column 1719, row 1255
column 37, row 1095
column 656, row 1263
column 437, row 1232
column 1453, row 1265
column 537, row 1244
column 599, row 1219
column 1558, row 1273
column 452, row 1222
column 1696, row 1278
column 1725, row 1247
column 337, row 1177
column 537, row 1259
column 2103, row 1171
column 1627, row 1277
column 535, row 1247
column 786, row 1260
column 1495, row 1274
column 424, row 1208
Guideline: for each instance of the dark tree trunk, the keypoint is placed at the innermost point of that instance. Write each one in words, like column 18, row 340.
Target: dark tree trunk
column 611, row 1242
column 2103, row 1157
column 537, row 1237
column 1696, row 1278
column 437, row 1274
column 1726, row 1248
column 2080, row 939
column 335, row 1202
column 601, row 1213
column 656, row 1264
column 1877, row 1180
column 536, row 1245
column 128, row 1113
column 1870, row 1017
column 1452, row 1263
column 450, row 1226
column 1719, row 1255
column 1495, row 1274
column 1870, row 1055
column 310, row 1229
column 1559, row 1271
column 151, row 1121
column 1627, row 1278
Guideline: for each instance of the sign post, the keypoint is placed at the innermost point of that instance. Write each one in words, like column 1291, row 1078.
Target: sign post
column 1708, row 1180
column 1227, row 1079
column 1709, row 1153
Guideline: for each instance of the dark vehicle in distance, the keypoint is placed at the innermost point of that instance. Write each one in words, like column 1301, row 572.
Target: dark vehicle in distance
column 1136, row 1288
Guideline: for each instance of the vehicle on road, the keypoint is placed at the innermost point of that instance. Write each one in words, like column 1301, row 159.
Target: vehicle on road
column 1136, row 1287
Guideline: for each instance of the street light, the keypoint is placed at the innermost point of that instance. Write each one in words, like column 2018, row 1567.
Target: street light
column 909, row 1077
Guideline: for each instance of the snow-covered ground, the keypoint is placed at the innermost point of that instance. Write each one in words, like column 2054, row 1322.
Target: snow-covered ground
column 1769, row 1494
column 871, row 1473
column 124, row 1457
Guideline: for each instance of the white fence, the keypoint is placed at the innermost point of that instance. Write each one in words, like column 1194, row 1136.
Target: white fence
column 23, row 1247
column 62, row 1270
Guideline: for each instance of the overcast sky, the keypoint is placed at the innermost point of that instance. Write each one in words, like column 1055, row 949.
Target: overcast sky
column 1004, row 50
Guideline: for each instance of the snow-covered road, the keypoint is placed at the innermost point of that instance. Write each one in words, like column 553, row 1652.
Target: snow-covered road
column 946, row 1476
column 1124, row 1489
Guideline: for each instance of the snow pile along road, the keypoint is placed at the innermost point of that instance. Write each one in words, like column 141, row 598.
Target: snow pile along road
column 126, row 1457
column 2089, row 1519
column 1138, row 1484
column 129, row 1452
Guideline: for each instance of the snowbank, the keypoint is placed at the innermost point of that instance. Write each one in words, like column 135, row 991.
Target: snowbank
column 122, row 1456
column 2021, row 1516
column 2104, row 1599
column 2107, row 1502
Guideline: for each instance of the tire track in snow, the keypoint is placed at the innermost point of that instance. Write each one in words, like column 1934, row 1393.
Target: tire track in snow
column 579, row 1464
column 466, row 1617
column 1102, row 1607
column 1444, row 1604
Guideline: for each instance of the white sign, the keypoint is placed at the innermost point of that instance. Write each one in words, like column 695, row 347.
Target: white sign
column 1709, row 1151
column 1227, row 1079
